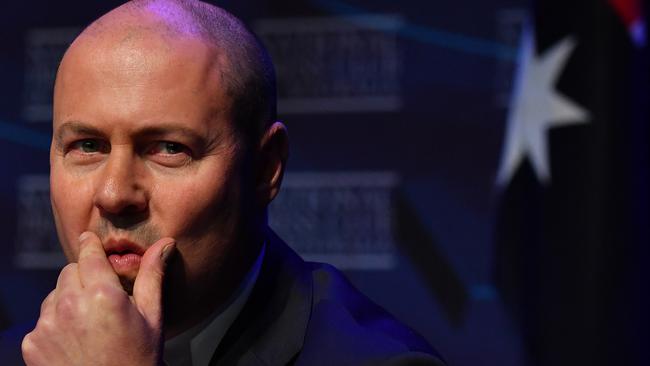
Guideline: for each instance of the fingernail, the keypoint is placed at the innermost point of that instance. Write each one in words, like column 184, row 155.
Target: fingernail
column 166, row 252
column 84, row 236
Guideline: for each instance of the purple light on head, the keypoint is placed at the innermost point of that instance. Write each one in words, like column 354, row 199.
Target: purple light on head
column 171, row 13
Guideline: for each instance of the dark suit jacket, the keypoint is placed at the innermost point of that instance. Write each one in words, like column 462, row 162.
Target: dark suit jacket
column 302, row 313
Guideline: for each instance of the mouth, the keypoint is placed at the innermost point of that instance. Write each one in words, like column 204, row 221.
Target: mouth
column 124, row 256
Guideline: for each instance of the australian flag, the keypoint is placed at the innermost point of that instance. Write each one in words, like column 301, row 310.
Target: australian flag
column 571, row 235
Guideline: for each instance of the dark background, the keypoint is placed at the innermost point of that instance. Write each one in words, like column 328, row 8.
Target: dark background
column 428, row 136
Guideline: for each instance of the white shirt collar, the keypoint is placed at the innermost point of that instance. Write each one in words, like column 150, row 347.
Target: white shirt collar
column 196, row 345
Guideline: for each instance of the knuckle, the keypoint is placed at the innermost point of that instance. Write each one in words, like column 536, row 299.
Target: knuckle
column 28, row 340
column 45, row 324
column 67, row 306
column 69, row 268
column 104, row 295
column 47, row 301
column 67, row 272
column 28, row 346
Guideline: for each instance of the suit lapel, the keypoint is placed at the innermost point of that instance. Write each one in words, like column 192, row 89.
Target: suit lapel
column 271, row 327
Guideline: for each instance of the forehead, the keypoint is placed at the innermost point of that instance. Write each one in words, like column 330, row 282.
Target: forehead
column 133, row 74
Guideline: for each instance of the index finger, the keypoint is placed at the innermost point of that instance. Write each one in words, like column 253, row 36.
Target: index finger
column 94, row 267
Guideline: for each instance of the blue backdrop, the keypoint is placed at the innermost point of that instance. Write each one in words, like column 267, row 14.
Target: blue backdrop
column 397, row 113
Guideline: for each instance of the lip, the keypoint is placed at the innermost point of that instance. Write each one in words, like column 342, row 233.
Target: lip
column 124, row 255
column 122, row 246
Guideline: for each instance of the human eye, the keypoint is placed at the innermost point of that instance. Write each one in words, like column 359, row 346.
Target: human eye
column 170, row 153
column 172, row 148
column 88, row 146
column 169, row 148
column 84, row 151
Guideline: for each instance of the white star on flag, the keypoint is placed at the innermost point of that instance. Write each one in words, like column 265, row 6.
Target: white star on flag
column 536, row 106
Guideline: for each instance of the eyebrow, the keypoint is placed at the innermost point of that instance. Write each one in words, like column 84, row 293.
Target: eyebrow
column 75, row 127
column 169, row 129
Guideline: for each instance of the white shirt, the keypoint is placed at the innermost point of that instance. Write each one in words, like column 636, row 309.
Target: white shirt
column 195, row 346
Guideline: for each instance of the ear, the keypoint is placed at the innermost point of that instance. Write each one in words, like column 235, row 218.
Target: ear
column 273, row 154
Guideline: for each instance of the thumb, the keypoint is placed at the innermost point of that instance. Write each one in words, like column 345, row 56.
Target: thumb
column 147, row 289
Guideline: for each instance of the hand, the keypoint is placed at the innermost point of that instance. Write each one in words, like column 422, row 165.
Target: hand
column 88, row 319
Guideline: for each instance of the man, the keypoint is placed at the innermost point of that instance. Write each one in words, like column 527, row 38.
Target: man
column 165, row 155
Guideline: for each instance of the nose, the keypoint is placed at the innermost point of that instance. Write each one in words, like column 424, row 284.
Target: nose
column 119, row 189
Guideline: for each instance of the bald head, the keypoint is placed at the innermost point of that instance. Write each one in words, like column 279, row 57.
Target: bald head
column 245, row 69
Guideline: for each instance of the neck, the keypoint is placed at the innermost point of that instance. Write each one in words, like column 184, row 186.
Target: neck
column 187, row 306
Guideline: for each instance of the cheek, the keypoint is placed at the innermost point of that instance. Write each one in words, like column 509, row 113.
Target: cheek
column 186, row 209
column 202, row 219
column 189, row 204
column 71, row 207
